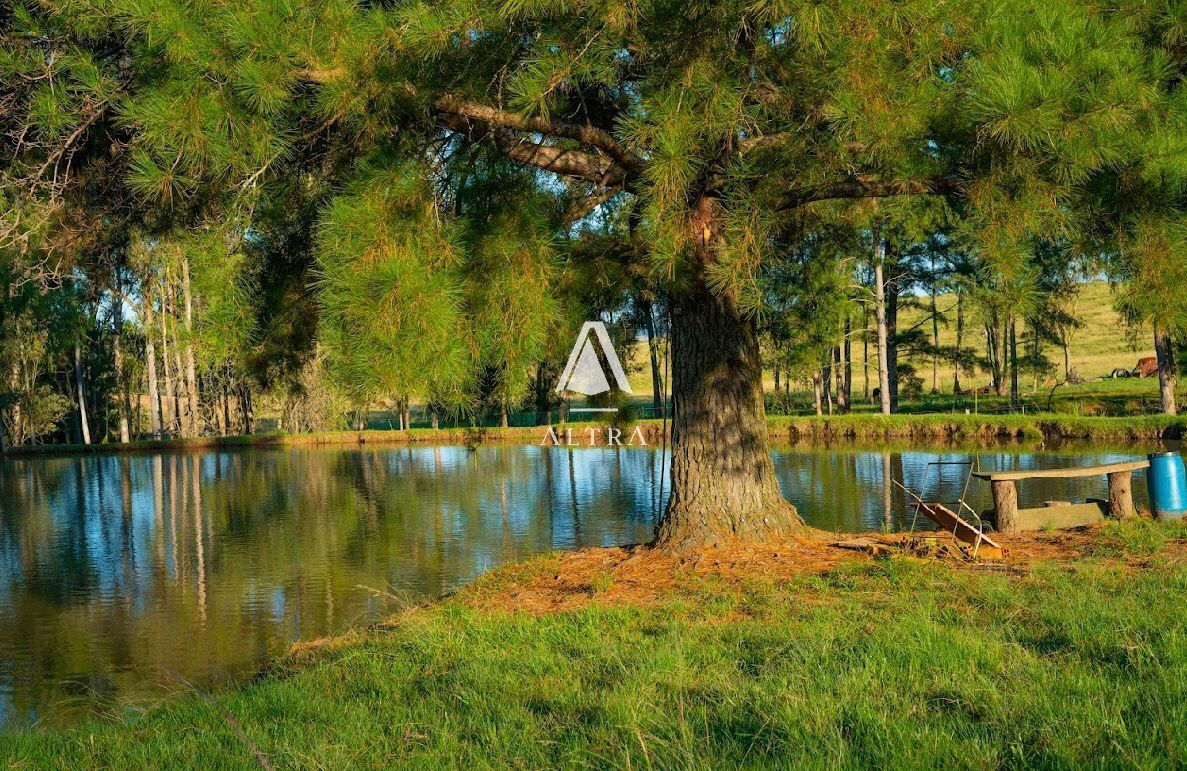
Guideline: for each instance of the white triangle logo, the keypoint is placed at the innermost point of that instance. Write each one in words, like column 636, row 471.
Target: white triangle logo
column 583, row 373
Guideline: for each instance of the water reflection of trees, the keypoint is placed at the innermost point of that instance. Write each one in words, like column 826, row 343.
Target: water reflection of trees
column 116, row 571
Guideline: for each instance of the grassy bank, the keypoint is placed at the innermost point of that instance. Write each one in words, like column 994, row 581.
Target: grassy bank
column 742, row 660
column 961, row 426
column 935, row 427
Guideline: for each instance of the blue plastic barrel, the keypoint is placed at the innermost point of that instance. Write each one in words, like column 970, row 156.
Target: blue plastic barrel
column 1167, row 482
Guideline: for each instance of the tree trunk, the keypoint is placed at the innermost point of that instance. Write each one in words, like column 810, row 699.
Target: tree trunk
column 80, row 381
column 155, row 417
column 818, row 392
column 1013, row 362
column 121, row 385
column 1167, row 369
column 1036, row 351
column 191, row 377
column 1001, row 345
column 892, row 293
column 657, row 381
column 845, row 375
column 959, row 341
column 167, row 412
column 776, row 381
column 723, row 481
column 935, row 334
column 883, row 343
column 865, row 352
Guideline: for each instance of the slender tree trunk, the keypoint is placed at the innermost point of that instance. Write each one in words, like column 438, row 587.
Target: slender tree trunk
column 959, row 341
column 244, row 408
column 1167, row 369
column 892, row 294
column 657, row 381
column 1036, row 352
column 845, row 384
column 191, row 377
column 179, row 384
column 83, row 425
column 776, row 380
column 121, row 385
column 1013, row 362
column 167, row 410
column 818, row 392
column 826, row 376
column 865, row 351
column 155, row 417
column 723, row 481
column 935, row 335
column 883, row 335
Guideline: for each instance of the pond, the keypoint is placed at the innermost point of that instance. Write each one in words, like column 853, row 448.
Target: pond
column 124, row 578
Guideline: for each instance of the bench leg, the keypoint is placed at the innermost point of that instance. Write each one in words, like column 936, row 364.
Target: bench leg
column 1005, row 504
column 1121, row 495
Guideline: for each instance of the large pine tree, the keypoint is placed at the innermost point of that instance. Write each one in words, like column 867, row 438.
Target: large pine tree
column 701, row 136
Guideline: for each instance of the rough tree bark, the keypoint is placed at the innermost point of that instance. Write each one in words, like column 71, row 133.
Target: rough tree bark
column 1167, row 369
column 723, row 480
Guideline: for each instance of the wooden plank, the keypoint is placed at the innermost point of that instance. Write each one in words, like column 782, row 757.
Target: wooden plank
column 1060, row 517
column 1061, row 473
column 952, row 522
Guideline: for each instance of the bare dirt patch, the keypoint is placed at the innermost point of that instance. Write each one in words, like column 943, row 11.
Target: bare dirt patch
column 641, row 575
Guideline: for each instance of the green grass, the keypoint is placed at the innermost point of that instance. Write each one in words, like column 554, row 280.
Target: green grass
column 960, row 426
column 890, row 663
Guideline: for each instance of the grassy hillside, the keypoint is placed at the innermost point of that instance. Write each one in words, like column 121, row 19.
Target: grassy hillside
column 1103, row 343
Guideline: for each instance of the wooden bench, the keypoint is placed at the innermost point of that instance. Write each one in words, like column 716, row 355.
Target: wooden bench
column 1010, row 519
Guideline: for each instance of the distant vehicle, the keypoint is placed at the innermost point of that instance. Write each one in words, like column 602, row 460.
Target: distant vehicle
column 1146, row 367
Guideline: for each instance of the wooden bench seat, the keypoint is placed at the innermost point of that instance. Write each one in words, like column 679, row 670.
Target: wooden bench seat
column 1010, row 519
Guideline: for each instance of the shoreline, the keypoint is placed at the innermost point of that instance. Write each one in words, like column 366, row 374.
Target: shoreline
column 927, row 427
column 559, row 626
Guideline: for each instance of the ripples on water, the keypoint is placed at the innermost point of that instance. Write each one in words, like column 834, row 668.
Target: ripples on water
column 123, row 576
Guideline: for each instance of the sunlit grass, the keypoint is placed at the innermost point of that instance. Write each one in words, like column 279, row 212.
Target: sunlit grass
column 886, row 663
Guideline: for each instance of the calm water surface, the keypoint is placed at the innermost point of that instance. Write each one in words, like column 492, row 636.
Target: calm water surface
column 124, row 577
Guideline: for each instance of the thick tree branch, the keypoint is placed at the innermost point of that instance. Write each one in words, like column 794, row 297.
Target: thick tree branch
column 593, row 136
column 567, row 162
column 864, row 187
